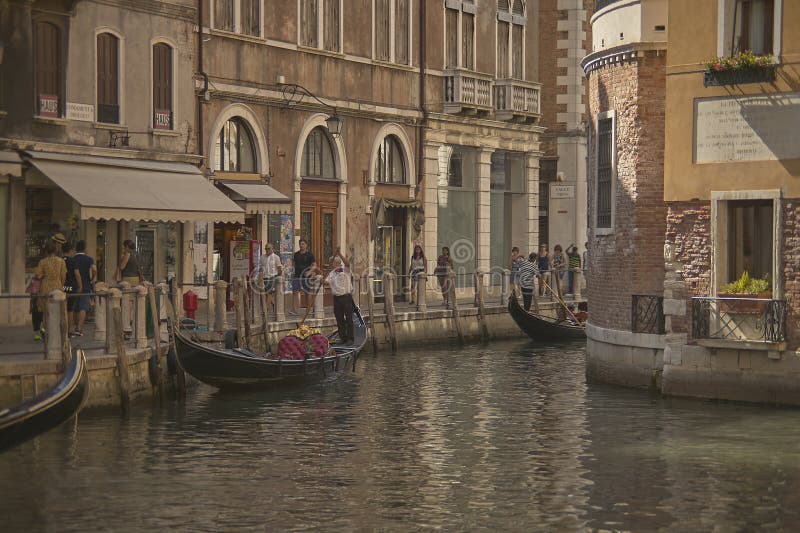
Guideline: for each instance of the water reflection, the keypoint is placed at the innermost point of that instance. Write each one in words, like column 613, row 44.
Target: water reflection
column 502, row 438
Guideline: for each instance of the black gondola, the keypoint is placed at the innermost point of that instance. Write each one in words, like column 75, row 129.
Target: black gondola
column 542, row 328
column 47, row 410
column 241, row 368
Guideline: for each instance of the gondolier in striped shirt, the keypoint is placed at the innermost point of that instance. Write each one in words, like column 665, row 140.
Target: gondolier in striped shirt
column 528, row 271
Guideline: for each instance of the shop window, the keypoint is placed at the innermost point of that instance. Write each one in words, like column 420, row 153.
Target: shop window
column 460, row 34
column 510, row 39
column 49, row 70
column 162, row 87
column 107, row 78
column 605, row 169
column 235, row 149
column 317, row 160
column 390, row 162
column 320, row 24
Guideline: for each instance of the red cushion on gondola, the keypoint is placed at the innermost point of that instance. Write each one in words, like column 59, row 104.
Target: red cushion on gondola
column 319, row 344
column 291, row 347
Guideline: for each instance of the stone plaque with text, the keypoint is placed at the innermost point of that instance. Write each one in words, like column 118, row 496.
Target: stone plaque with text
column 746, row 128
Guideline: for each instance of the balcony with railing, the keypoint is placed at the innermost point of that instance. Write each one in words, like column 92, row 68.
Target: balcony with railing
column 467, row 92
column 756, row 323
column 517, row 100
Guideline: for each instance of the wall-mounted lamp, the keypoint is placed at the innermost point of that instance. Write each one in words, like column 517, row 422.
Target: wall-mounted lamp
column 293, row 94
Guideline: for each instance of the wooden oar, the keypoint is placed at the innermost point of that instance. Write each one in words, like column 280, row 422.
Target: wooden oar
column 577, row 322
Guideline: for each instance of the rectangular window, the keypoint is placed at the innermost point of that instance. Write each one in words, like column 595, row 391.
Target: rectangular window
column 224, row 16
column 451, row 34
column 754, row 26
column 402, row 38
column 502, row 49
column 517, row 49
column 309, row 13
column 382, row 30
column 750, row 238
column 331, row 28
column 107, row 78
column 48, row 69
column 468, row 40
column 250, row 17
column 162, row 87
column 605, row 169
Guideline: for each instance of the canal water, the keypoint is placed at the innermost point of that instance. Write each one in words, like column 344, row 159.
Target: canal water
column 502, row 438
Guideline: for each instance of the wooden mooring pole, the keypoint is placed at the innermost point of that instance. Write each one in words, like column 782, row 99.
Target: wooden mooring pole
column 388, row 306
column 454, row 301
column 371, row 308
column 479, row 298
column 122, row 358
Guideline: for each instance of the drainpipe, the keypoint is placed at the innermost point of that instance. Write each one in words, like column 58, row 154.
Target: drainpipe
column 423, row 108
column 202, row 96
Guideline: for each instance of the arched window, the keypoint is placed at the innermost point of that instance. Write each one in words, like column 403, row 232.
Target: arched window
column 390, row 165
column 107, row 78
column 510, row 39
column 318, row 159
column 235, row 150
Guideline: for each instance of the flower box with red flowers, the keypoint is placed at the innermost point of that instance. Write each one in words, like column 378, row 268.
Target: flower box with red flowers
column 743, row 67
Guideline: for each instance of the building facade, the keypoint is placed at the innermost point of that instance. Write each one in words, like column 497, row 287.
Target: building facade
column 97, row 138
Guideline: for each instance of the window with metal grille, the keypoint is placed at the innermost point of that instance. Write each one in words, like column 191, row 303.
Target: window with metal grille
column 48, row 69
column 107, row 78
column 605, row 171
column 162, row 86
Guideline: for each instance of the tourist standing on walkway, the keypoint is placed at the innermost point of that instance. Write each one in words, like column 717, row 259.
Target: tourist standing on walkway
column 71, row 284
column 544, row 266
column 52, row 271
column 585, row 258
column 528, row 270
column 444, row 264
column 559, row 267
column 305, row 266
column 574, row 263
column 418, row 266
column 129, row 269
column 85, row 272
column 269, row 266
column 514, row 262
column 341, row 284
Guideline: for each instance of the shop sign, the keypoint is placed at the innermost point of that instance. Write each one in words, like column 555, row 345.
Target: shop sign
column 48, row 105
column 162, row 120
column 82, row 112
column 560, row 192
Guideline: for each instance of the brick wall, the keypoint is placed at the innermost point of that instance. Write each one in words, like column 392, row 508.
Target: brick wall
column 791, row 268
column 630, row 261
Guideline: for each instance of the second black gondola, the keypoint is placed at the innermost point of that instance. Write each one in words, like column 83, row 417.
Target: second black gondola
column 542, row 328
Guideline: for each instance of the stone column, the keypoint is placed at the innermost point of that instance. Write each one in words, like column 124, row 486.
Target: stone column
column 140, row 316
column 55, row 314
column 280, row 298
column 505, row 287
column 127, row 305
column 676, row 324
column 221, row 305
column 432, row 169
column 114, row 301
column 577, row 283
column 319, row 300
column 100, row 311
column 422, row 292
column 532, row 183
column 483, row 236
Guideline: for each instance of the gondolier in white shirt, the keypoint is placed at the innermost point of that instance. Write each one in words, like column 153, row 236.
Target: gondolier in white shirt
column 270, row 268
column 528, row 271
column 341, row 286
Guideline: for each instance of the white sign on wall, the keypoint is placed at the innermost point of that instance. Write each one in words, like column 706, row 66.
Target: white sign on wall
column 562, row 191
column 84, row 112
column 747, row 128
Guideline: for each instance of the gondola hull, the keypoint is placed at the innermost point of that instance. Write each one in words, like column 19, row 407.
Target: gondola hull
column 240, row 368
column 47, row 410
column 541, row 328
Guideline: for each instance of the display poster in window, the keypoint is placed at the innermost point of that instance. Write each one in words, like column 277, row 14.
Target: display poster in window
column 281, row 235
column 200, row 259
column 244, row 258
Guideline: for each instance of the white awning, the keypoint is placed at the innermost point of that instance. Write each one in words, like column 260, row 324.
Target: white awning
column 256, row 197
column 135, row 189
column 10, row 163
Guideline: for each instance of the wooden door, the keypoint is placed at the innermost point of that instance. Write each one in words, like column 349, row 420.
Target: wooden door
column 319, row 205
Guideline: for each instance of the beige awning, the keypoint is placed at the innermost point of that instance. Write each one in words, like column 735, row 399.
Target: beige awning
column 135, row 189
column 10, row 163
column 256, row 197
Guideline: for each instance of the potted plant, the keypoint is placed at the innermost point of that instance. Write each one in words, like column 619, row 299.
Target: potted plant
column 745, row 287
column 742, row 67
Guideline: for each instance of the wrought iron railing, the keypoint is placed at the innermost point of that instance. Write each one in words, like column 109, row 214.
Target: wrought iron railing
column 647, row 314
column 743, row 319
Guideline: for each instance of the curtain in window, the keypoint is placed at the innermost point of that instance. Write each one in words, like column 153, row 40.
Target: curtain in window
column 468, row 40
column 451, row 31
column 517, row 49
column 107, row 78
column 309, row 12
column 382, row 30
column 502, row 49
column 331, row 37
column 402, row 36
column 223, row 14
column 48, row 62
column 757, row 26
column 250, row 17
